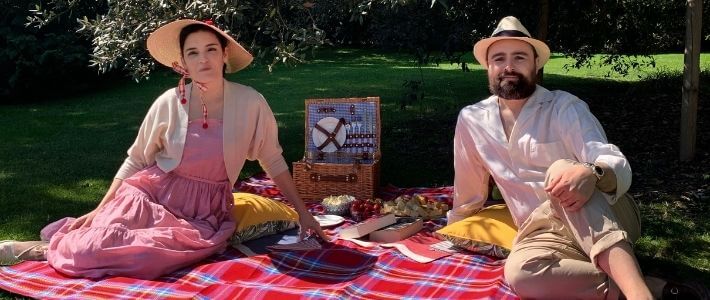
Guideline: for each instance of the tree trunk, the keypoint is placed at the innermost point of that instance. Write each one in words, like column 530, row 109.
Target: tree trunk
column 543, row 20
column 691, row 73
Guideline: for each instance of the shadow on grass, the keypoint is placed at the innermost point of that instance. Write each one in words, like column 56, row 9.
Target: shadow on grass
column 675, row 245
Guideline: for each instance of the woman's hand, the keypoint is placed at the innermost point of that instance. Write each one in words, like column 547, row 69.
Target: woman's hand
column 305, row 219
column 308, row 224
column 572, row 187
column 83, row 221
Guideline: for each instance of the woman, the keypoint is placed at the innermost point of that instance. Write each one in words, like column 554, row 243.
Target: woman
column 169, row 204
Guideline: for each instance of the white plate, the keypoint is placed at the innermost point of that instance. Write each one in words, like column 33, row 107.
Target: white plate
column 329, row 220
column 329, row 124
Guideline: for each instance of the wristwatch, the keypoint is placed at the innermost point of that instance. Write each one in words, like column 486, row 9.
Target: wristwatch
column 596, row 170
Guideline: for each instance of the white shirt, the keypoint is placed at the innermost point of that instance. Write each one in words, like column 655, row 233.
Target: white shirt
column 551, row 126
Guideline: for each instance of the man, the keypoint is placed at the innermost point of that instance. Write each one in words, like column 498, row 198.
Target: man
column 564, row 184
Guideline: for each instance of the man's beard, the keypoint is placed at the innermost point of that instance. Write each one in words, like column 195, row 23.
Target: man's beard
column 513, row 90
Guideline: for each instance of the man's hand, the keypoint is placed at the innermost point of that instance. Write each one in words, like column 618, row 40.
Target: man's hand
column 572, row 187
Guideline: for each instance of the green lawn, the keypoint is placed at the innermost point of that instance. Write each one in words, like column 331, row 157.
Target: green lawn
column 57, row 158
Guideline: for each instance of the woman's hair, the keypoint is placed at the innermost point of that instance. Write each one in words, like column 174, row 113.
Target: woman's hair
column 190, row 29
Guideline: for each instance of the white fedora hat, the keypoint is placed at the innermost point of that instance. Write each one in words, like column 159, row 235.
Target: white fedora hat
column 510, row 28
column 164, row 45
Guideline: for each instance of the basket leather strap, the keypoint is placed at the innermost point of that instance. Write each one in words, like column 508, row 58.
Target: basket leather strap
column 330, row 136
column 334, row 178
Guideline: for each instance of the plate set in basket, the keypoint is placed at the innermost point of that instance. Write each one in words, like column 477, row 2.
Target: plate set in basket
column 342, row 148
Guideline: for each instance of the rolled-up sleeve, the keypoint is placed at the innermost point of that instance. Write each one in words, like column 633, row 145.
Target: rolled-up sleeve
column 265, row 146
column 471, row 177
column 592, row 145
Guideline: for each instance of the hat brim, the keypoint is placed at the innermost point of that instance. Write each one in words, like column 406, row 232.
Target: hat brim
column 480, row 49
column 164, row 45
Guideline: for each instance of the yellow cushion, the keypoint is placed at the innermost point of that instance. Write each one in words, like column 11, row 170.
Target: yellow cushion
column 490, row 231
column 258, row 216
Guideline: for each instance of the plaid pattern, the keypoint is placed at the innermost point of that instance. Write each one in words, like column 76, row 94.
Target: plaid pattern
column 340, row 270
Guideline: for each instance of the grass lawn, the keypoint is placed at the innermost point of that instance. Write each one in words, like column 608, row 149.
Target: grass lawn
column 57, row 158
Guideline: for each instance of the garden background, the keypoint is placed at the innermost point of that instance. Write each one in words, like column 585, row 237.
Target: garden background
column 74, row 90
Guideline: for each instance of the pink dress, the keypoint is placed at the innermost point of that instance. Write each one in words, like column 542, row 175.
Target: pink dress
column 158, row 222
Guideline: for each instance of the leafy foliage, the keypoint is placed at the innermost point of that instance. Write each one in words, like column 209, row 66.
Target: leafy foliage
column 625, row 32
column 275, row 31
column 342, row 22
column 39, row 63
column 286, row 31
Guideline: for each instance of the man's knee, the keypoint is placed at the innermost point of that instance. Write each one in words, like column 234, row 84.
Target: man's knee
column 525, row 274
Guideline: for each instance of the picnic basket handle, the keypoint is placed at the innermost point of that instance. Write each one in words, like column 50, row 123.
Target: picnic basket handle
column 309, row 164
column 316, row 177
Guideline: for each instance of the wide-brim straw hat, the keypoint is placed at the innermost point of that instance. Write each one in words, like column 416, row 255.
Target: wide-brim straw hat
column 164, row 45
column 510, row 28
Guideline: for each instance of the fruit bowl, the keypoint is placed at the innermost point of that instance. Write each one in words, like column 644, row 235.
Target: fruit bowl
column 364, row 209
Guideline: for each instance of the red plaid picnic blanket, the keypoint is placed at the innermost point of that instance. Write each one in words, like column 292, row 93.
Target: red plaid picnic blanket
column 340, row 270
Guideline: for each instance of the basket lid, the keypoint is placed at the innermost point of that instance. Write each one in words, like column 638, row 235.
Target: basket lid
column 342, row 130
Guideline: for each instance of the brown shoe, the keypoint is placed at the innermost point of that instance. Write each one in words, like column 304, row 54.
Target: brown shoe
column 691, row 291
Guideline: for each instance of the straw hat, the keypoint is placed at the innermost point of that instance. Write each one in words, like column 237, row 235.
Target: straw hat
column 164, row 45
column 510, row 28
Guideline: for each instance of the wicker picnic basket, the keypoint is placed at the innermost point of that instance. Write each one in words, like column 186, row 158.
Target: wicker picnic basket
column 342, row 149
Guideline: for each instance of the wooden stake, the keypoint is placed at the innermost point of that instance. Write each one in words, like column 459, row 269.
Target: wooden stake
column 691, row 74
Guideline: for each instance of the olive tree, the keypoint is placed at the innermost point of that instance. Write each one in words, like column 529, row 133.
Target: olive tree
column 277, row 31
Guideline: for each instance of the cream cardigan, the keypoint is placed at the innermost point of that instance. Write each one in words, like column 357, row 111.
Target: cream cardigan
column 249, row 128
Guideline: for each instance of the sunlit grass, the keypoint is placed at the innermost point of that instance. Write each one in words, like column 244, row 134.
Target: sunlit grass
column 560, row 65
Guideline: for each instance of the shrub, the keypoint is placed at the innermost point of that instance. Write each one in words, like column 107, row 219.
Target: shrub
column 40, row 63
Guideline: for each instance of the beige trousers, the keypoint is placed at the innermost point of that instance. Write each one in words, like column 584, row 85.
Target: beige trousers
column 554, row 253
